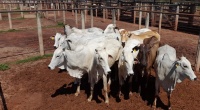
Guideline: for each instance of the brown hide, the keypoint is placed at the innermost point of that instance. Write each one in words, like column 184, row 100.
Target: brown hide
column 125, row 35
column 152, row 45
column 145, row 35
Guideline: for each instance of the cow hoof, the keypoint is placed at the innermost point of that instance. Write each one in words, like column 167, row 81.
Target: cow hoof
column 89, row 100
column 107, row 102
column 76, row 94
column 130, row 93
column 154, row 107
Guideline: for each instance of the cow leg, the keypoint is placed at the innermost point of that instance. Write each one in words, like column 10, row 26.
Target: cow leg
column 157, row 90
column 105, row 88
column 78, row 87
column 169, row 102
column 91, row 92
column 147, row 77
column 130, row 85
column 120, row 85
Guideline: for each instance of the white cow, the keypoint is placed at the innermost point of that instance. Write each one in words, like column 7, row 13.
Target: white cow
column 170, row 70
column 112, row 47
column 85, row 60
column 126, row 62
column 68, row 30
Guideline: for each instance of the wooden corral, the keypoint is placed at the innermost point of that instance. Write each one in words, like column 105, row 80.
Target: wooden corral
column 175, row 16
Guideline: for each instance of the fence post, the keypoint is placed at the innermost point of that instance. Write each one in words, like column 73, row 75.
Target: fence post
column 54, row 13
column 72, row 8
column 197, row 62
column 152, row 15
column 82, row 19
column 177, row 16
column 0, row 16
column 21, row 8
column 134, row 16
column 140, row 19
column 118, row 14
column 113, row 17
column 9, row 17
column 58, row 8
column 46, row 13
column 91, row 13
column 40, row 38
column 76, row 20
column 160, row 20
column 64, row 15
column 147, row 21
column 96, row 11
column 104, row 15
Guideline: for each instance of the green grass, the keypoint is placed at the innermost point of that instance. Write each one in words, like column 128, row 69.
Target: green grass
column 4, row 67
column 33, row 59
column 60, row 24
column 10, row 30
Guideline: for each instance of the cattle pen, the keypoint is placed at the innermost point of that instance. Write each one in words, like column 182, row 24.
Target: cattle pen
column 174, row 16
column 26, row 27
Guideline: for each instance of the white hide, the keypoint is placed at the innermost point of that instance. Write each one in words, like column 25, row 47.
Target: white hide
column 126, row 60
column 140, row 31
column 165, row 61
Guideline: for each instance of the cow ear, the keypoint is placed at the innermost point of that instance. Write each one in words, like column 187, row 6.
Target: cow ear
column 165, row 57
column 68, row 40
column 136, row 48
column 110, row 56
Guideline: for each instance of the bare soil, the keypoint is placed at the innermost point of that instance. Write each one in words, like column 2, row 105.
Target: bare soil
column 32, row 86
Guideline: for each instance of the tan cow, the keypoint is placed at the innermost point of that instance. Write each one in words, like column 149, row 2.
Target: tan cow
column 125, row 35
column 146, row 57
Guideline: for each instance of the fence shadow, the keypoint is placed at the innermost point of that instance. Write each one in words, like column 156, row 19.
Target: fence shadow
column 3, row 99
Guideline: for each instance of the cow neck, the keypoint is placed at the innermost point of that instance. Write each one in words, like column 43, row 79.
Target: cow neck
column 69, row 45
column 173, row 68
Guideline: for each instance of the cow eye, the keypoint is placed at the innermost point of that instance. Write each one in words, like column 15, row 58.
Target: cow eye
column 185, row 66
column 57, row 56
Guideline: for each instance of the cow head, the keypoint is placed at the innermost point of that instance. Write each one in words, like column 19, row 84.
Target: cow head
column 184, row 70
column 102, row 59
column 57, row 38
column 130, row 53
column 124, row 36
column 149, row 45
column 57, row 59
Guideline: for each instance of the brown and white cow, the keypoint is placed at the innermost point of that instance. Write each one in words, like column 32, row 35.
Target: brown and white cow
column 125, row 35
column 147, row 56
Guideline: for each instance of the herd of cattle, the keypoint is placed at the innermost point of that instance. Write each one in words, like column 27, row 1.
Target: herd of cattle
column 94, row 51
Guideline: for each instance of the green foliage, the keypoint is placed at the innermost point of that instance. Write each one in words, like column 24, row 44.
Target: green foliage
column 33, row 58
column 60, row 24
column 4, row 67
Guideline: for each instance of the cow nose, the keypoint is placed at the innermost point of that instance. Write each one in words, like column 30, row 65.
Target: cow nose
column 108, row 71
column 195, row 79
column 49, row 67
column 123, row 44
column 55, row 47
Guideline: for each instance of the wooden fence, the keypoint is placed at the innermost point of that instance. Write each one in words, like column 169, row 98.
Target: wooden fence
column 150, row 13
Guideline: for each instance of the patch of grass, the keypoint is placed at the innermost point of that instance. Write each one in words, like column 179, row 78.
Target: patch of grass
column 10, row 30
column 4, row 67
column 33, row 58
column 60, row 24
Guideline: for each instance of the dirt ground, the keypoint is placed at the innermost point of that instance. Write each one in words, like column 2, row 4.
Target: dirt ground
column 32, row 86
